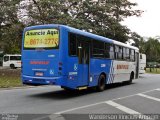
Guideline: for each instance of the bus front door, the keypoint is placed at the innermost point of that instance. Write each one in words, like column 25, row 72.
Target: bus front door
column 137, row 65
column 83, row 60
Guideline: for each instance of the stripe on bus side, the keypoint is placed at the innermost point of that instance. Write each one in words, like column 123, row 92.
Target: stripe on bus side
column 110, row 73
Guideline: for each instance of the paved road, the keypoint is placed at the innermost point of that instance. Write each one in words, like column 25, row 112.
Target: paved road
column 141, row 97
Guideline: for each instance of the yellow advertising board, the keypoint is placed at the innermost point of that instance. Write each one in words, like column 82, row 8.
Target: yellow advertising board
column 41, row 38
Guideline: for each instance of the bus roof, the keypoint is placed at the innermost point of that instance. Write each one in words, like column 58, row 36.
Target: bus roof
column 12, row 55
column 81, row 32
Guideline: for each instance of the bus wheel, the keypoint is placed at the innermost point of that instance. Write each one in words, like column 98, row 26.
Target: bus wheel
column 101, row 83
column 131, row 78
column 12, row 66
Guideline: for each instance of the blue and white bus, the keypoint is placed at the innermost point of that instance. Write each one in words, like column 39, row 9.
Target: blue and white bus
column 61, row 55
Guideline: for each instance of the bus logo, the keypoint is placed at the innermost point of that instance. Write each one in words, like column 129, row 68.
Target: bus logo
column 39, row 62
column 51, row 72
column 75, row 67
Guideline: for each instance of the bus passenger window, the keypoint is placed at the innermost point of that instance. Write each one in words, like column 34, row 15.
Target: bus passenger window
column 124, row 53
column 132, row 55
column 111, row 52
column 98, row 49
column 127, row 54
column 116, row 52
column 107, row 50
column 120, row 53
column 72, row 44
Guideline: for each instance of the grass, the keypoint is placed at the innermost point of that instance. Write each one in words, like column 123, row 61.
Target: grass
column 6, row 82
column 10, row 78
column 153, row 70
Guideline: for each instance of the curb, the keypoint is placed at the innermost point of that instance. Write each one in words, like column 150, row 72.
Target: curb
column 12, row 88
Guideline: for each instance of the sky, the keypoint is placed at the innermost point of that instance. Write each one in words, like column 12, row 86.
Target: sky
column 148, row 25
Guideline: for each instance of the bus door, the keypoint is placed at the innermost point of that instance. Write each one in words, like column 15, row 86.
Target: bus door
column 83, row 63
column 137, row 64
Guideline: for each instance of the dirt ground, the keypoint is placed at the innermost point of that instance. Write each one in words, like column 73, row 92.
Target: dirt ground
column 10, row 72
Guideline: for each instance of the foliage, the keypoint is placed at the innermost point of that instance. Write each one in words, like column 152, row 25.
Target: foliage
column 102, row 17
column 10, row 78
column 10, row 26
column 152, row 50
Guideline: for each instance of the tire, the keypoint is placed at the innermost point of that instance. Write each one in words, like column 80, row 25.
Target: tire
column 131, row 78
column 101, row 83
column 12, row 66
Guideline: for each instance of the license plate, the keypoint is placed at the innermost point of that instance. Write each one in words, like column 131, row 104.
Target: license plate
column 39, row 73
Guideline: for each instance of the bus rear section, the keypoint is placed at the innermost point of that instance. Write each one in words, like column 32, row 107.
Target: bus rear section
column 40, row 56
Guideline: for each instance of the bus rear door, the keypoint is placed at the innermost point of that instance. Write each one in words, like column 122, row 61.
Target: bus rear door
column 83, row 60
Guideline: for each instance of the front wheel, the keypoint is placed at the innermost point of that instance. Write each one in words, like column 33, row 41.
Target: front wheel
column 101, row 83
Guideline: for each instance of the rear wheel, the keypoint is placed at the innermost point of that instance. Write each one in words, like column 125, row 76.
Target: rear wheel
column 12, row 66
column 101, row 83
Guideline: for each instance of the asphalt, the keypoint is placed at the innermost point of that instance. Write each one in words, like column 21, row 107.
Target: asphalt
column 54, row 100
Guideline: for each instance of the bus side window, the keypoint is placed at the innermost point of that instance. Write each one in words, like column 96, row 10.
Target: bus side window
column 6, row 58
column 112, row 52
column 124, row 53
column 98, row 50
column 116, row 51
column 127, row 54
column 120, row 53
column 107, row 50
column 132, row 55
column 72, row 44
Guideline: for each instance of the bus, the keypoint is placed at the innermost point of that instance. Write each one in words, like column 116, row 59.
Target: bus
column 60, row 55
column 142, row 63
column 12, row 60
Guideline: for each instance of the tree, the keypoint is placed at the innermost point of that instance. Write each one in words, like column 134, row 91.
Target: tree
column 10, row 26
column 101, row 17
column 152, row 50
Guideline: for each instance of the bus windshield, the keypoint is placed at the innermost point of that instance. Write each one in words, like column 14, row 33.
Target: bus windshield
column 41, row 38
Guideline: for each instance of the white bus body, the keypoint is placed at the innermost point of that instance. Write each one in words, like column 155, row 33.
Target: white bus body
column 142, row 63
column 12, row 60
column 123, row 70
